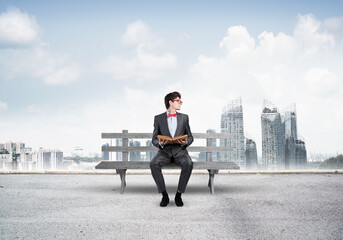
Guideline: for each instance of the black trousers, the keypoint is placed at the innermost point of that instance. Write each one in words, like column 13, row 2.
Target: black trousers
column 161, row 159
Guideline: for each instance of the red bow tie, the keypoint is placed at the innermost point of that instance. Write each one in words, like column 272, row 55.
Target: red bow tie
column 171, row 115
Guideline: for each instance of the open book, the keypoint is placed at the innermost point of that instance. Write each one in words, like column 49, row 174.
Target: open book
column 172, row 140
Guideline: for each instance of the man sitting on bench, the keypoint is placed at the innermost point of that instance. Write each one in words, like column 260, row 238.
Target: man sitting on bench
column 171, row 124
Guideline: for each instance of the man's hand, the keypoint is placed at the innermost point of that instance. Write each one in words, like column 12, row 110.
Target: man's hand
column 182, row 142
column 163, row 141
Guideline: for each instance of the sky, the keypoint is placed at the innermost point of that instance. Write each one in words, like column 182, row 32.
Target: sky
column 70, row 70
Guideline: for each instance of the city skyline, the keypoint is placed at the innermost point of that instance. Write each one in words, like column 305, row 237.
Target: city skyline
column 232, row 121
column 70, row 71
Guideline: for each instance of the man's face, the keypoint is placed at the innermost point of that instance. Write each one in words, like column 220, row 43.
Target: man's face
column 176, row 103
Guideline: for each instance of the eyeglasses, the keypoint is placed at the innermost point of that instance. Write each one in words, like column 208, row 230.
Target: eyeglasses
column 178, row 100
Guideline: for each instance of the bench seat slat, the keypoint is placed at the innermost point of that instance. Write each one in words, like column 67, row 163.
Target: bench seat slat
column 146, row 165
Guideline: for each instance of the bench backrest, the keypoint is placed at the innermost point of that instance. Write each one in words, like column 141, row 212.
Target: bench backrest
column 125, row 148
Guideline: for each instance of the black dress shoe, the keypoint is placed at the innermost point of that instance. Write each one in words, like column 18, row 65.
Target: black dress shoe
column 164, row 202
column 178, row 200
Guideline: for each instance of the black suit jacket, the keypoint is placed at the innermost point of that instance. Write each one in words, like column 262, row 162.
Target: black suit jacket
column 161, row 128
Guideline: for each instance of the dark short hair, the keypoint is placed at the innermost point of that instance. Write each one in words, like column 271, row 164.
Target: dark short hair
column 170, row 97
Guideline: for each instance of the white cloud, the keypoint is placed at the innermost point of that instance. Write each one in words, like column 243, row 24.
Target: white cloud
column 321, row 82
column 3, row 106
column 155, row 62
column 333, row 23
column 34, row 109
column 149, row 62
column 38, row 62
column 274, row 62
column 285, row 68
column 18, row 28
column 237, row 41
column 144, row 66
column 137, row 33
column 309, row 36
column 63, row 76
column 185, row 37
column 281, row 45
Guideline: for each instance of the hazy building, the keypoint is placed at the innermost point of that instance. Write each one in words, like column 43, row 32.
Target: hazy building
column 48, row 159
column 45, row 160
column 290, row 158
column 19, row 146
column 202, row 157
column 295, row 150
column 106, row 155
column 289, row 121
column 26, row 162
column 300, row 154
column 250, row 154
column 273, row 138
column 56, row 160
column 215, row 155
column 135, row 156
column 5, row 160
column 10, row 147
column 232, row 122
column 150, row 155
column 119, row 155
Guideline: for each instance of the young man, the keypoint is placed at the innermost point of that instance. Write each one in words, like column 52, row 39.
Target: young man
column 172, row 124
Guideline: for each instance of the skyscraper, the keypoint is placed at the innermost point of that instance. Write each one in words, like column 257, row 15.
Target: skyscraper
column 215, row 155
column 5, row 159
column 135, row 156
column 20, row 146
column 56, row 159
column 149, row 155
column 232, row 122
column 48, row 159
column 289, row 121
column 10, row 147
column 250, row 154
column 119, row 155
column 106, row 155
column 300, row 153
column 295, row 150
column 273, row 138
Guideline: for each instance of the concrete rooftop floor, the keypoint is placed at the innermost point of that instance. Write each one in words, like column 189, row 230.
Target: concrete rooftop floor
column 244, row 206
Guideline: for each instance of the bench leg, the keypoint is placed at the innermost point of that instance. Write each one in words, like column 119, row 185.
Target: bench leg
column 122, row 173
column 211, row 172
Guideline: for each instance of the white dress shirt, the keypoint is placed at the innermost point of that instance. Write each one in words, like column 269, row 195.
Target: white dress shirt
column 172, row 124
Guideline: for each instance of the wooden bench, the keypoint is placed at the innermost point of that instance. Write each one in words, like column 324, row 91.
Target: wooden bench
column 121, row 166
